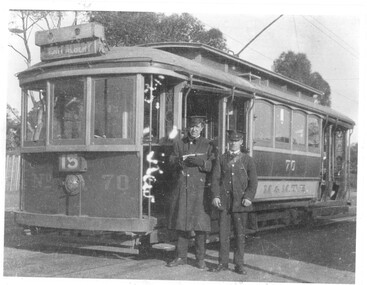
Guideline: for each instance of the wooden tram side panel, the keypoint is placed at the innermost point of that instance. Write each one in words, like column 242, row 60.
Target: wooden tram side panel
column 111, row 186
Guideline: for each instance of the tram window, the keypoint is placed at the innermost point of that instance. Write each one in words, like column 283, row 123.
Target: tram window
column 68, row 109
column 113, row 108
column 299, row 130
column 169, row 111
column 313, row 134
column 158, row 108
column 263, row 118
column 236, row 114
column 282, row 126
column 35, row 114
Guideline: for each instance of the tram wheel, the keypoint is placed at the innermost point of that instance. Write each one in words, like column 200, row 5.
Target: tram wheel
column 144, row 247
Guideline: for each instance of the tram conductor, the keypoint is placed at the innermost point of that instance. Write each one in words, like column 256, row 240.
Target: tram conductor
column 234, row 183
column 190, row 202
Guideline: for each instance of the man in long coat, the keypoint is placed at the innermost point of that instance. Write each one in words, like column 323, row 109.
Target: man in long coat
column 234, row 183
column 190, row 203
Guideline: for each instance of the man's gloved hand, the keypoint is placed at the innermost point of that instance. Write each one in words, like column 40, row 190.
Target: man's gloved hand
column 194, row 161
column 246, row 202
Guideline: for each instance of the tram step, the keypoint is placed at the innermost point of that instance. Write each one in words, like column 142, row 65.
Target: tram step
column 110, row 249
column 164, row 246
column 273, row 227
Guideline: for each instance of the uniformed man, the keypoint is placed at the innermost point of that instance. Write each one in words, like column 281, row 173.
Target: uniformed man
column 190, row 204
column 234, row 183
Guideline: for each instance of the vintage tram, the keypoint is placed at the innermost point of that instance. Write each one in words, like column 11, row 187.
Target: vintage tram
column 98, row 125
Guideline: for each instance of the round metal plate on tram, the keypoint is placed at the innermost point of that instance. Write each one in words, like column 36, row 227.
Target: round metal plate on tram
column 73, row 184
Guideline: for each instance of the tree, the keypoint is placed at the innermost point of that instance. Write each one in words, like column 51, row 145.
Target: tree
column 316, row 81
column 134, row 28
column 12, row 129
column 298, row 67
column 354, row 158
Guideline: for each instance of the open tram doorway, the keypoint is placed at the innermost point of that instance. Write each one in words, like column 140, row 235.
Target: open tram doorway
column 206, row 105
column 222, row 113
column 335, row 163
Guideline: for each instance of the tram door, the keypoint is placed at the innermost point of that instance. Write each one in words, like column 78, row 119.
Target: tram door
column 334, row 164
column 205, row 104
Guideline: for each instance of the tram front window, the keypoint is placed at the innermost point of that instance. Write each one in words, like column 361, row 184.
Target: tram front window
column 114, row 106
column 68, row 109
column 35, row 114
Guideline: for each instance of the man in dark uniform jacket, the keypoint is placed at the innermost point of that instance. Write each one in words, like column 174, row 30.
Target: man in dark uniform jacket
column 234, row 183
column 190, row 203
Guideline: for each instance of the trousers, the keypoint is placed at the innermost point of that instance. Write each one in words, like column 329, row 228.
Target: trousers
column 183, row 244
column 239, row 226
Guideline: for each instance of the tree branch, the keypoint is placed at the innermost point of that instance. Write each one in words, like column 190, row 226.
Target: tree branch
column 18, row 52
column 11, row 110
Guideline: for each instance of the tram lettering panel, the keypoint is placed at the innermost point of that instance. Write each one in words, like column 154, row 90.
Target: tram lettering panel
column 112, row 185
column 41, row 191
column 273, row 190
column 278, row 164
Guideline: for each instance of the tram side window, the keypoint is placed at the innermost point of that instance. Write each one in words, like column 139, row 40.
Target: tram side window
column 68, row 109
column 169, row 111
column 282, row 127
column 158, row 108
column 35, row 102
column 114, row 107
column 236, row 114
column 263, row 120
column 313, row 134
column 299, row 130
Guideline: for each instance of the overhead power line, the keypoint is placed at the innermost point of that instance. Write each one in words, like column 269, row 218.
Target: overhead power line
column 330, row 31
column 334, row 40
column 337, row 93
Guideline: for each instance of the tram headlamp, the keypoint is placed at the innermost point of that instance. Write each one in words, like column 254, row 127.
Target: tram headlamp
column 74, row 183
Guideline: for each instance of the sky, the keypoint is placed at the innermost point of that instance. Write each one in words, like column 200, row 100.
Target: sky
column 330, row 39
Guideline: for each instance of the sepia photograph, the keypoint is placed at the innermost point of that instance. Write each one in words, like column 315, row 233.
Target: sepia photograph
column 183, row 141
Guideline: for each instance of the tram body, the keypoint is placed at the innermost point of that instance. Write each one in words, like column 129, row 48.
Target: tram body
column 99, row 124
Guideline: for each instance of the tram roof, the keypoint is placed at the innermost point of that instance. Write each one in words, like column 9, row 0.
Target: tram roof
column 179, row 64
column 186, row 66
column 221, row 54
column 266, row 91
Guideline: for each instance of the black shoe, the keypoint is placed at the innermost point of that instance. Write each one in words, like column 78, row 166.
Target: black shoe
column 220, row 267
column 201, row 264
column 176, row 262
column 240, row 269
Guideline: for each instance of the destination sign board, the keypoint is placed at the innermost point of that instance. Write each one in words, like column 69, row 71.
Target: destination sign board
column 69, row 50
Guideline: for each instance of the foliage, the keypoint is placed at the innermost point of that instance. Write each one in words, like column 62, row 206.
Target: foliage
column 354, row 158
column 12, row 129
column 316, row 81
column 134, row 28
column 298, row 67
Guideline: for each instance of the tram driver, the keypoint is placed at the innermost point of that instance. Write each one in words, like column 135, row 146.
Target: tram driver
column 190, row 202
